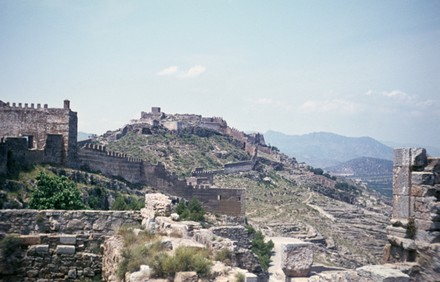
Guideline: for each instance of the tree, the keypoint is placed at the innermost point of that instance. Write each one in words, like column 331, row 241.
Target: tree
column 191, row 211
column 54, row 192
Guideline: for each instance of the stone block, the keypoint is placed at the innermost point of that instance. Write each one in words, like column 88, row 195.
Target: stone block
column 427, row 236
column 28, row 240
column 250, row 277
column 381, row 273
column 42, row 249
column 186, row 276
column 419, row 159
column 401, row 181
column 422, row 178
column 427, row 225
column 75, row 224
column 65, row 250
column 68, row 239
column 419, row 190
column 425, row 204
column 296, row 259
column 407, row 244
column 159, row 203
column 401, row 206
column 402, row 157
column 140, row 276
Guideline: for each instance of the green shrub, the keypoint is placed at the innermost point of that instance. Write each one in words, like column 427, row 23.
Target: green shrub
column 192, row 210
column 224, row 255
column 184, row 259
column 10, row 251
column 54, row 192
column 262, row 249
column 240, row 277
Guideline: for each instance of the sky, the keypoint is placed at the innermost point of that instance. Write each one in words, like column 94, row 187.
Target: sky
column 355, row 68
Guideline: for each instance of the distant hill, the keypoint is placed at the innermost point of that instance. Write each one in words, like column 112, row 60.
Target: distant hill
column 377, row 173
column 83, row 136
column 323, row 149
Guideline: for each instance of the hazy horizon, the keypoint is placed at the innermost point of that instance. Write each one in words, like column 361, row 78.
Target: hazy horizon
column 353, row 68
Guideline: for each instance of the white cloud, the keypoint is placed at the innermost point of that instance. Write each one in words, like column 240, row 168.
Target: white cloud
column 193, row 72
column 169, row 70
column 336, row 106
column 394, row 94
column 264, row 101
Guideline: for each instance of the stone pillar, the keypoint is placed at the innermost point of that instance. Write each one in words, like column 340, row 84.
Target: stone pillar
column 66, row 104
column 401, row 184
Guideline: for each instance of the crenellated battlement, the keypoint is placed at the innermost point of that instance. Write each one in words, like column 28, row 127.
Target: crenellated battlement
column 102, row 149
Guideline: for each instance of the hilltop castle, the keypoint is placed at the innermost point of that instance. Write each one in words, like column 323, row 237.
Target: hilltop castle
column 33, row 135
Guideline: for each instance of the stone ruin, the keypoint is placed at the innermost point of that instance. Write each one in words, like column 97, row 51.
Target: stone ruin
column 414, row 233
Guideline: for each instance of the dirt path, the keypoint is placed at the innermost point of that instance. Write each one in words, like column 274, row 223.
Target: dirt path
column 275, row 272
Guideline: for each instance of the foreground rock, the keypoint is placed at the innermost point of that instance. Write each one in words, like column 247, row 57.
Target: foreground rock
column 296, row 259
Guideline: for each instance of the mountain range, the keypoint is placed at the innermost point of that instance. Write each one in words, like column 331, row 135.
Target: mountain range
column 324, row 149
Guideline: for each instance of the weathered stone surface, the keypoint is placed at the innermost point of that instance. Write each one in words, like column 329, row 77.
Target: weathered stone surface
column 422, row 178
column 42, row 249
column 65, row 249
column 381, row 273
column 407, row 244
column 75, row 224
column 401, row 206
column 339, row 276
column 68, row 240
column 296, row 259
column 187, row 276
column 27, row 240
column 159, row 203
column 175, row 216
column 401, row 180
column 111, row 258
column 140, row 276
column 419, row 159
column 250, row 277
column 402, row 157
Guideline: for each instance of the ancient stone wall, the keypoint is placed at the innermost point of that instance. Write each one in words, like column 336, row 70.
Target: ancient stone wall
column 56, row 258
column 239, row 166
column 68, row 222
column 97, row 158
column 36, row 122
column 414, row 233
column 59, row 245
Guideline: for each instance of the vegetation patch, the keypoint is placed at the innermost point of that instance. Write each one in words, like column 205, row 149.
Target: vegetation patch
column 192, row 210
column 54, row 192
column 262, row 249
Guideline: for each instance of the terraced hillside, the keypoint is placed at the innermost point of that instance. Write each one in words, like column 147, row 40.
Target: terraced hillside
column 348, row 234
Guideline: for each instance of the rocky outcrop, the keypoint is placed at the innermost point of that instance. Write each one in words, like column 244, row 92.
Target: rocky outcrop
column 296, row 259
column 112, row 256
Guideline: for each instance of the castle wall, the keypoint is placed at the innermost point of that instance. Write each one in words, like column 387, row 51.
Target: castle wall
column 59, row 245
column 239, row 166
column 414, row 233
column 27, row 222
column 37, row 122
column 97, row 158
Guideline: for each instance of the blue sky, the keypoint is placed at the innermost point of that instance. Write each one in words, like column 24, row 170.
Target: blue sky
column 356, row 68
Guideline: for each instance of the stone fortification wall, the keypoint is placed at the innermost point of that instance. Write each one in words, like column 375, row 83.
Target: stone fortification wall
column 414, row 233
column 59, row 245
column 14, row 153
column 239, row 166
column 37, row 122
column 68, row 222
column 56, row 258
column 97, row 158
column 227, row 201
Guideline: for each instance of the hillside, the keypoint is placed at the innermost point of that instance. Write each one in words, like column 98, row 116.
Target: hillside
column 377, row 173
column 282, row 198
column 323, row 149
